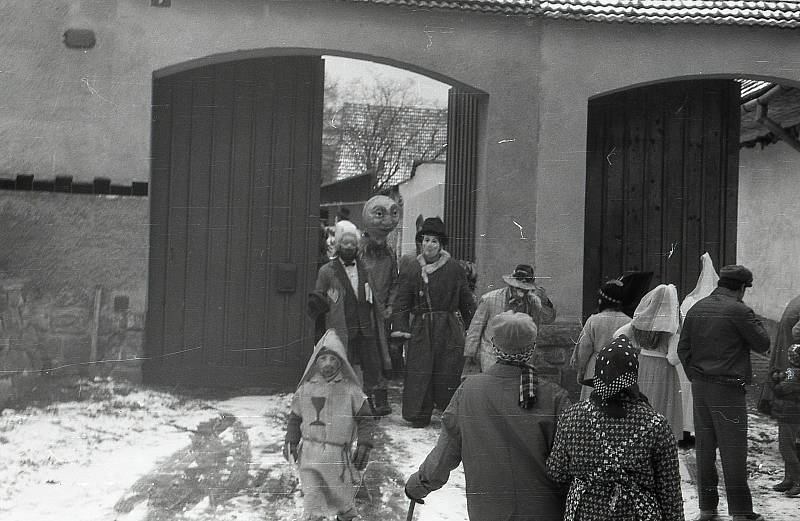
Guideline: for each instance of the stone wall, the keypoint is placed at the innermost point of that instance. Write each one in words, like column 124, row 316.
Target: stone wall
column 73, row 280
column 554, row 347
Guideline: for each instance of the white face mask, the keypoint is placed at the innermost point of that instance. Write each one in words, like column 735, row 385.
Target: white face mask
column 431, row 247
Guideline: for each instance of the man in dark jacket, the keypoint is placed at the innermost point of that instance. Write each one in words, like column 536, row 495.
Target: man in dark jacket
column 501, row 424
column 344, row 289
column 717, row 336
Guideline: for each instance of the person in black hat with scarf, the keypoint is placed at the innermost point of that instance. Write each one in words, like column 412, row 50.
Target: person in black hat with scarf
column 501, row 425
column 617, row 453
column 718, row 334
column 598, row 331
column 431, row 291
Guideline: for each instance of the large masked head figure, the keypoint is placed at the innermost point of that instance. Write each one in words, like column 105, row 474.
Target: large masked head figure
column 381, row 215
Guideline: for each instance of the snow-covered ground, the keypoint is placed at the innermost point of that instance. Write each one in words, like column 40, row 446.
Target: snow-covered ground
column 133, row 454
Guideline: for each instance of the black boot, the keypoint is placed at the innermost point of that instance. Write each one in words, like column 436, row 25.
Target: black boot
column 380, row 402
column 398, row 363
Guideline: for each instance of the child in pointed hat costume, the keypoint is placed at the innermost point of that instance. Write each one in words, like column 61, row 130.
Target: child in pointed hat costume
column 329, row 413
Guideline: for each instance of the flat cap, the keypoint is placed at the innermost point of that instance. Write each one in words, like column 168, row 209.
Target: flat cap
column 736, row 272
column 514, row 333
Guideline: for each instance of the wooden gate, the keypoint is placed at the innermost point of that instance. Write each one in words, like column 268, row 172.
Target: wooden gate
column 234, row 231
column 661, row 182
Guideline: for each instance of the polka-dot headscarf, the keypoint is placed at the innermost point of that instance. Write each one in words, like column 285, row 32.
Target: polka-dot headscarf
column 616, row 368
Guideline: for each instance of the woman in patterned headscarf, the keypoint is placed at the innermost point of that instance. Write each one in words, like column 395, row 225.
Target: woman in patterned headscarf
column 616, row 452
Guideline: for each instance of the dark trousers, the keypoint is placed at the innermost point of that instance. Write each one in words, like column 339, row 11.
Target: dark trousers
column 720, row 421
column 787, row 434
column 362, row 350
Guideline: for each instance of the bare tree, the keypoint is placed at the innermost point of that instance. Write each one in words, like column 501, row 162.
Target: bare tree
column 387, row 132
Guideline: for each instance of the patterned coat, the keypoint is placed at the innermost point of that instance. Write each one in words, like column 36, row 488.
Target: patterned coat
column 619, row 469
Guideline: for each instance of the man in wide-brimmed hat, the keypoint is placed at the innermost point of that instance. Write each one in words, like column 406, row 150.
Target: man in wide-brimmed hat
column 501, row 425
column 522, row 295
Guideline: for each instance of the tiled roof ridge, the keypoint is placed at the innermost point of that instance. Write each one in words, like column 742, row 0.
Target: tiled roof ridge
column 404, row 108
column 771, row 13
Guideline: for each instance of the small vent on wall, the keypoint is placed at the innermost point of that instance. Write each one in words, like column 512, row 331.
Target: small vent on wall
column 160, row 3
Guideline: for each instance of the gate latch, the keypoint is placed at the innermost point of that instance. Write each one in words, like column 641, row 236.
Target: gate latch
column 286, row 278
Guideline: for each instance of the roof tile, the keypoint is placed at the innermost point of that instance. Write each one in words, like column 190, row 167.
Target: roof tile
column 710, row 12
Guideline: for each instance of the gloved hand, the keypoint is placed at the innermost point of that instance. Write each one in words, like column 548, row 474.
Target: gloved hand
column 673, row 359
column 361, row 456
column 317, row 304
column 290, row 453
column 410, row 496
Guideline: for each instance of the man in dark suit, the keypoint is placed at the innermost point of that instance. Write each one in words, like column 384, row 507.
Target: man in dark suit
column 717, row 336
column 344, row 285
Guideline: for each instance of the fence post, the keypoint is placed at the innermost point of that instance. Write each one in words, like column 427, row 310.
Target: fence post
column 98, row 295
column 24, row 182
column 63, row 183
column 101, row 185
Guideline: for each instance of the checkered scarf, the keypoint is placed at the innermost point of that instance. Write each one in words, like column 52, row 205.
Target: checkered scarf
column 527, row 380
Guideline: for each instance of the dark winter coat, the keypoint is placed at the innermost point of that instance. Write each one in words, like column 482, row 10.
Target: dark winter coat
column 717, row 336
column 434, row 354
column 784, row 337
column 503, row 448
column 447, row 288
column 786, row 401
column 381, row 265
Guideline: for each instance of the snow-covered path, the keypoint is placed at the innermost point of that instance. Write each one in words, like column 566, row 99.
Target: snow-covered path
column 82, row 460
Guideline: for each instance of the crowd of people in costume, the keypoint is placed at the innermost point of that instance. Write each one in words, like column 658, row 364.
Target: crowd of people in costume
column 649, row 380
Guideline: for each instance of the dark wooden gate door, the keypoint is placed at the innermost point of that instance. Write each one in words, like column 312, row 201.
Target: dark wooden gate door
column 233, row 241
column 661, row 182
column 461, row 175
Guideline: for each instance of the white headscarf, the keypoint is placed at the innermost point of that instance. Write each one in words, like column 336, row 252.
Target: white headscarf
column 343, row 227
column 706, row 283
column 658, row 310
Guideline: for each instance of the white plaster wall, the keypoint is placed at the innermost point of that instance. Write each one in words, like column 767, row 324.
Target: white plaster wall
column 768, row 228
column 422, row 194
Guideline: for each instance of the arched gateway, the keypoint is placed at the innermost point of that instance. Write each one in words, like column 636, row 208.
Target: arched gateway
column 234, row 217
